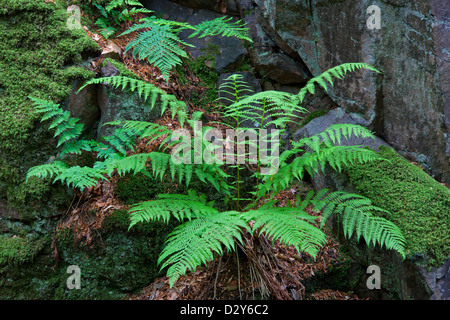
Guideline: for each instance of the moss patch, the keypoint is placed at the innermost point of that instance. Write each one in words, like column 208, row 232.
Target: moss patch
column 39, row 56
column 418, row 204
column 16, row 251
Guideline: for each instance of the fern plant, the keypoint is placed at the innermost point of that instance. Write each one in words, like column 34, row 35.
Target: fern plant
column 116, row 12
column 206, row 231
column 159, row 41
column 146, row 91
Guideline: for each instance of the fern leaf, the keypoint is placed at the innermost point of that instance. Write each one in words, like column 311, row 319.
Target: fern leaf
column 222, row 26
column 291, row 226
column 195, row 242
column 355, row 212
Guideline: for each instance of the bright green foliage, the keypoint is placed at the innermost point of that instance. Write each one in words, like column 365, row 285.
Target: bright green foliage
column 336, row 72
column 282, row 107
column 208, row 231
column 66, row 127
column 117, row 12
column 160, row 43
column 291, row 226
column 221, row 26
column 355, row 213
column 194, row 242
column 146, row 91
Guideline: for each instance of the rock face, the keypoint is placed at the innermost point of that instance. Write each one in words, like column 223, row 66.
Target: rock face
column 116, row 105
column 409, row 102
column 407, row 279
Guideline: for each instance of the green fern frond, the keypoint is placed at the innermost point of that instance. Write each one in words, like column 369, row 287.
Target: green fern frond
column 145, row 91
column 291, row 226
column 177, row 206
column 195, row 242
column 47, row 170
column 336, row 72
column 222, row 26
column 80, row 177
column 159, row 43
column 355, row 212
column 134, row 163
column 66, row 127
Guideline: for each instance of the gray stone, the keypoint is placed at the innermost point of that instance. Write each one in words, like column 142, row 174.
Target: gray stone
column 83, row 105
column 337, row 116
column 409, row 102
column 118, row 105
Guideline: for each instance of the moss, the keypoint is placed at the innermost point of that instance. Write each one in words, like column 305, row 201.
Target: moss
column 203, row 67
column 124, row 72
column 16, row 250
column 418, row 204
column 313, row 115
column 38, row 57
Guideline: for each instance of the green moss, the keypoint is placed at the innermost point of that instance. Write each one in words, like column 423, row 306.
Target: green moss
column 38, row 57
column 16, row 251
column 124, row 72
column 418, row 204
column 313, row 115
column 203, row 67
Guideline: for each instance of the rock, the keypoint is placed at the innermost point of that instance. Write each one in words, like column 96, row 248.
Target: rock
column 269, row 63
column 9, row 213
column 317, row 125
column 118, row 105
column 83, row 105
column 438, row 280
column 337, row 116
column 112, row 51
column 228, row 52
column 409, row 102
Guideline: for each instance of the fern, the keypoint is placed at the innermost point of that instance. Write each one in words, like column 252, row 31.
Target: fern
column 222, row 26
column 66, row 127
column 291, row 226
column 355, row 212
column 195, row 242
column 159, row 42
column 336, row 72
column 47, row 170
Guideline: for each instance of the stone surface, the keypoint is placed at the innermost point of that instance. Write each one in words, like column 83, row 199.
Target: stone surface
column 337, row 116
column 117, row 105
column 83, row 105
column 317, row 125
column 253, row 84
column 438, row 280
column 268, row 60
column 408, row 103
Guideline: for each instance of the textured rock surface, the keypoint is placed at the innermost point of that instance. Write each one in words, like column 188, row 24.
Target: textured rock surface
column 408, row 103
column 116, row 105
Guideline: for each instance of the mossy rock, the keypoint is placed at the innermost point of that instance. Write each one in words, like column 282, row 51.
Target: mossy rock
column 417, row 203
column 39, row 57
